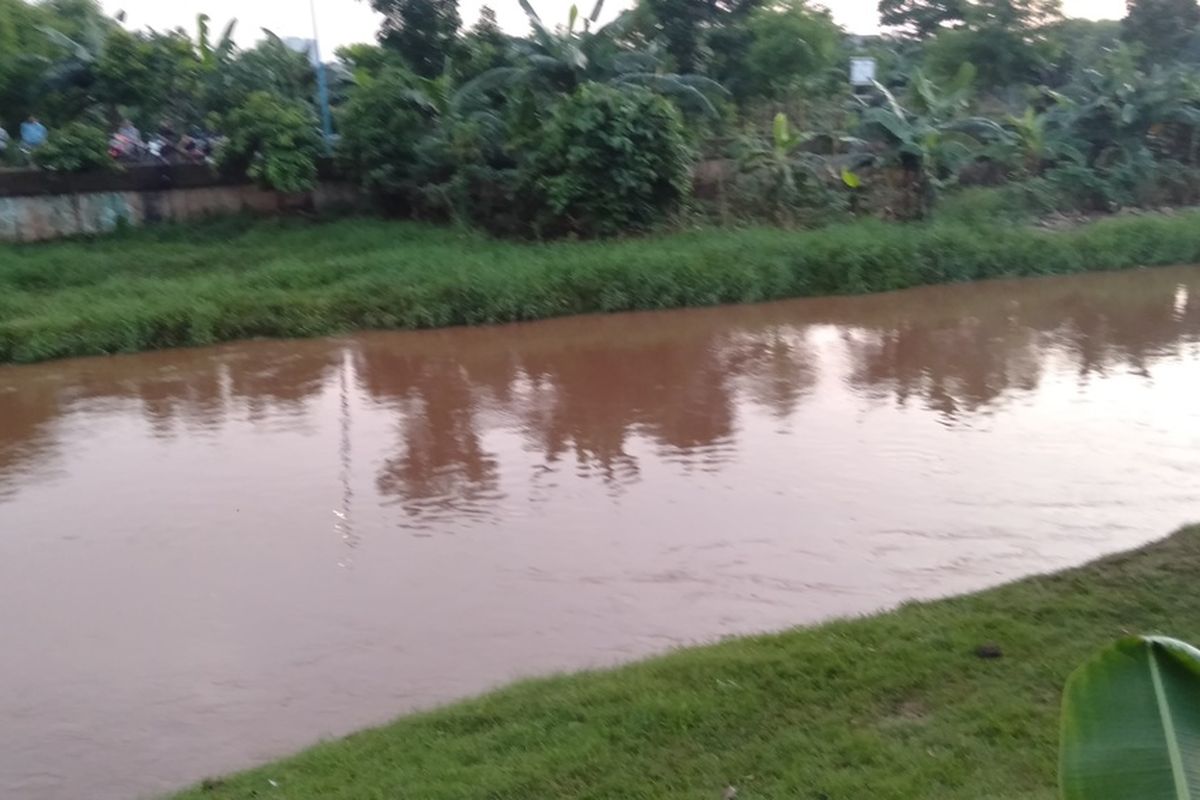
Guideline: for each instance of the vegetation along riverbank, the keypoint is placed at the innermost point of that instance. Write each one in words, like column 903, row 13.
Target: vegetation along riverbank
column 231, row 280
column 952, row 699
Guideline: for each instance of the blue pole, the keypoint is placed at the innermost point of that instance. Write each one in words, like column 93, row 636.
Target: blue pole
column 322, row 84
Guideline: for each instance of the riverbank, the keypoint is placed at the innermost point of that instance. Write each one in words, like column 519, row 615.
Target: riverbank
column 952, row 699
column 230, row 280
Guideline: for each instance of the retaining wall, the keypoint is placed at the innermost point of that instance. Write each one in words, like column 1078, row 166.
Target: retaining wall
column 37, row 206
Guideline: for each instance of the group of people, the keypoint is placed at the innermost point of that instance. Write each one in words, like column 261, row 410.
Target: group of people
column 33, row 135
column 165, row 144
column 126, row 144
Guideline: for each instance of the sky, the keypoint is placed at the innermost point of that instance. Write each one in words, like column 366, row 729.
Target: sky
column 348, row 21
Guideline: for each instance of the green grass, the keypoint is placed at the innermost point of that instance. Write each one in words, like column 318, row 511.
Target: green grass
column 202, row 284
column 893, row 706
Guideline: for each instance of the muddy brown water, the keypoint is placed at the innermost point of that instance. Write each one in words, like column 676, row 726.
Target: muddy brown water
column 212, row 557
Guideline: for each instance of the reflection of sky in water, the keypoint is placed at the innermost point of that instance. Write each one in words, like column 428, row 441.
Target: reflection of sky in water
column 291, row 539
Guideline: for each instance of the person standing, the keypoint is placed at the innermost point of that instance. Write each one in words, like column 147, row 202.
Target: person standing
column 33, row 134
column 3, row 141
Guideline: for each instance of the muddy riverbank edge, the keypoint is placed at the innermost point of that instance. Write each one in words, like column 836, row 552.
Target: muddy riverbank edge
column 236, row 279
column 957, row 698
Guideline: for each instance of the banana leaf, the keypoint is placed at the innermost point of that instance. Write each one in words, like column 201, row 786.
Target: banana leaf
column 1131, row 724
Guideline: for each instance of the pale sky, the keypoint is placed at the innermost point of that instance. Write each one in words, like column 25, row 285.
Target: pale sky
column 348, row 21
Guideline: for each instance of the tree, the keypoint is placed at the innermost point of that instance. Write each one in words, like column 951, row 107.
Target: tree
column 686, row 26
column 925, row 18
column 560, row 61
column 274, row 141
column 485, row 47
column 423, row 32
column 922, row 18
column 1163, row 27
column 1080, row 44
column 23, row 47
column 930, row 139
column 788, row 44
column 1006, row 40
column 382, row 124
column 609, row 160
column 270, row 66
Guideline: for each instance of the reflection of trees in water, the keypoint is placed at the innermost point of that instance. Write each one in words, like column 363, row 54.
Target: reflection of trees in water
column 778, row 366
column 583, row 388
column 188, row 389
column 27, row 441
column 991, row 339
column 441, row 466
column 956, row 368
column 588, row 388
column 676, row 393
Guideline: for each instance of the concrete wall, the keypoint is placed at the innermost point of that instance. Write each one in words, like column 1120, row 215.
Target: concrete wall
column 34, row 208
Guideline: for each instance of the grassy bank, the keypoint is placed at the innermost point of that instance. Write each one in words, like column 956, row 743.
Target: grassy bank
column 894, row 706
column 224, row 281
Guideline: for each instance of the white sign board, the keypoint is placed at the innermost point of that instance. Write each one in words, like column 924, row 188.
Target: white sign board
column 862, row 71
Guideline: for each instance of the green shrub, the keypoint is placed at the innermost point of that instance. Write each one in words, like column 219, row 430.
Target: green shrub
column 610, row 160
column 383, row 125
column 76, row 147
column 274, row 141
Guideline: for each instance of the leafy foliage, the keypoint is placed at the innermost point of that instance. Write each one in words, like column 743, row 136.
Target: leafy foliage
column 76, row 147
column 921, row 18
column 382, row 126
column 1131, row 723
column 560, row 61
column 485, row 47
column 691, row 29
column 783, row 178
column 788, row 44
column 931, row 139
column 608, row 161
column 1162, row 27
column 422, row 31
column 275, row 141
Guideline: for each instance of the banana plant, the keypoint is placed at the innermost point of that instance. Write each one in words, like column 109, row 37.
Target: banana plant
column 931, row 147
column 783, row 166
column 560, row 60
column 213, row 56
column 1131, row 723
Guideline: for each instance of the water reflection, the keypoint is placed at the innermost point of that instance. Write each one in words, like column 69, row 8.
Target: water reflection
column 584, row 389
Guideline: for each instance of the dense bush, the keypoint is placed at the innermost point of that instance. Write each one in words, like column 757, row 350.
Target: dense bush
column 77, row 147
column 609, row 160
column 274, row 141
column 382, row 127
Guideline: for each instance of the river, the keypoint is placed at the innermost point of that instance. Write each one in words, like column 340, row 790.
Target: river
column 212, row 557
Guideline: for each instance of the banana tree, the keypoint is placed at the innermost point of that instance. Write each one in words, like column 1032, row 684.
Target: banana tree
column 214, row 55
column 559, row 61
column 932, row 147
column 790, row 169
column 1131, row 723
column 1036, row 142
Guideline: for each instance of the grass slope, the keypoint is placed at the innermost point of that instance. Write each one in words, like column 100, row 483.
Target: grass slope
column 232, row 280
column 894, row 706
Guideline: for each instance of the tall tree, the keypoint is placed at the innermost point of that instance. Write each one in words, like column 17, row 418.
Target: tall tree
column 685, row 26
column 922, row 18
column 785, row 44
column 422, row 31
column 483, row 48
column 1005, row 40
column 1163, row 27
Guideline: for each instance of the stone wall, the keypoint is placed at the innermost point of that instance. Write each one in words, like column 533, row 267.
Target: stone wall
column 37, row 206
